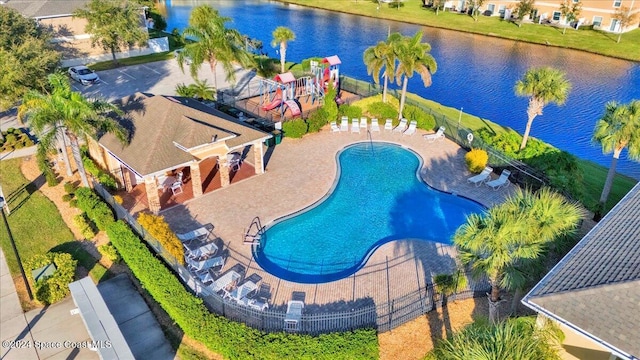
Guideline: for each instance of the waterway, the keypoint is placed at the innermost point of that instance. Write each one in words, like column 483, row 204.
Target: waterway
column 476, row 73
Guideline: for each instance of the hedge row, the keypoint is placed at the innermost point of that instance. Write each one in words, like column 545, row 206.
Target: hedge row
column 231, row 339
column 160, row 230
column 106, row 179
column 97, row 210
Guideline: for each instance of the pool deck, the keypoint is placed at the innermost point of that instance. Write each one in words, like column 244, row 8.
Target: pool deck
column 299, row 172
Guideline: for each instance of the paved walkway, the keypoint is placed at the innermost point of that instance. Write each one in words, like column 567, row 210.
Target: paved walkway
column 302, row 171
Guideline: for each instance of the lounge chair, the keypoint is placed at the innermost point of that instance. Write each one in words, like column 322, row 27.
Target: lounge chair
column 482, row 177
column 502, row 181
column 355, row 126
column 388, row 124
column 201, row 233
column 439, row 135
column 401, row 127
column 344, row 124
column 199, row 266
column 208, row 250
column 258, row 304
column 412, row 128
column 225, row 281
column 375, row 125
column 240, row 293
column 293, row 316
column 363, row 123
column 334, row 127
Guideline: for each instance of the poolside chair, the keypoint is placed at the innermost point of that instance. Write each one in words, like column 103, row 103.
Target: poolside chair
column 200, row 233
column 502, row 181
column 199, row 266
column 257, row 304
column 176, row 188
column 355, row 126
column 401, row 127
column 293, row 315
column 483, row 177
column 225, row 282
column 344, row 124
column 334, row 127
column 412, row 128
column 240, row 293
column 363, row 123
column 207, row 250
column 439, row 135
column 375, row 125
column 388, row 124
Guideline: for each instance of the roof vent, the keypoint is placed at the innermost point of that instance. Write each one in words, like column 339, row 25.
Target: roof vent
column 214, row 138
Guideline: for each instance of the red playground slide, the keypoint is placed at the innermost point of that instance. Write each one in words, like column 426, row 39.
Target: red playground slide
column 277, row 100
column 293, row 106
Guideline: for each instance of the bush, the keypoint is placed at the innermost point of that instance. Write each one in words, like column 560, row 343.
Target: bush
column 55, row 287
column 108, row 181
column 425, row 121
column 160, row 230
column 104, row 178
column 69, row 188
column 382, row 110
column 118, row 199
column 350, row 111
column 476, row 160
column 317, row 120
column 85, row 226
column 97, row 210
column 330, row 107
column 294, row 128
column 109, row 251
column 231, row 339
column 67, row 197
column 73, row 203
column 449, row 284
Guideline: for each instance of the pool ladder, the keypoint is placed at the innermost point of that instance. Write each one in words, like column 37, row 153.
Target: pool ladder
column 253, row 234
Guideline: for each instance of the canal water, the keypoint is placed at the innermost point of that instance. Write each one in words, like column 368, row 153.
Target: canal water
column 476, row 73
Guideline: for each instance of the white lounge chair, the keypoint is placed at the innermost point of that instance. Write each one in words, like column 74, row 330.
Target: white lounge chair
column 375, row 125
column 439, row 135
column 199, row 233
column 388, row 124
column 240, row 293
column 225, row 281
column 482, row 177
column 344, row 124
column 198, row 266
column 334, row 127
column 363, row 123
column 412, row 128
column 204, row 250
column 401, row 127
column 293, row 316
column 355, row 126
column 257, row 304
column 502, row 181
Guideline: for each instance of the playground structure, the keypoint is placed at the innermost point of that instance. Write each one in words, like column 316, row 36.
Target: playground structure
column 284, row 92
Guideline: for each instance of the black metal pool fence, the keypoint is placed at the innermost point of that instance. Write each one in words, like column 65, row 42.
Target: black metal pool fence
column 365, row 313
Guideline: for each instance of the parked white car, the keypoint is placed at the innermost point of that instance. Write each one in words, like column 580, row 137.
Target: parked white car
column 83, row 75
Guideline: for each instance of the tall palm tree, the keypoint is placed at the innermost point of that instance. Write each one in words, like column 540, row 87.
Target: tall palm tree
column 505, row 241
column 68, row 111
column 213, row 43
column 282, row 35
column 542, row 86
column 382, row 55
column 413, row 56
column 619, row 128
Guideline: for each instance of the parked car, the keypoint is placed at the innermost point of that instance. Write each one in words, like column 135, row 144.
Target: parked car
column 83, row 75
column 176, row 54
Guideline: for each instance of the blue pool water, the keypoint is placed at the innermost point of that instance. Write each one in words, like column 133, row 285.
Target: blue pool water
column 378, row 198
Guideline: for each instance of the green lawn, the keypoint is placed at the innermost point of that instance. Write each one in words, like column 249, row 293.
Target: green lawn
column 412, row 12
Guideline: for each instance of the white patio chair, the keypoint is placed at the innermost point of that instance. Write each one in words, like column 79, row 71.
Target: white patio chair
column 401, row 127
column 482, row 177
column 412, row 128
column 502, row 181
column 439, row 135
column 363, row 123
column 199, row 233
column 388, row 124
column 176, row 188
column 375, row 125
column 334, row 127
column 344, row 124
column 355, row 126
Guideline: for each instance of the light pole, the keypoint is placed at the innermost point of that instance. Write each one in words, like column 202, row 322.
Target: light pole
column 15, row 249
column 459, row 117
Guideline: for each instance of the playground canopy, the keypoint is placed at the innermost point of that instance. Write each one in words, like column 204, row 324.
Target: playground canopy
column 285, row 78
column 332, row 60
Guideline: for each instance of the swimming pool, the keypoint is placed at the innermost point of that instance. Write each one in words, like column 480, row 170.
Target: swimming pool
column 377, row 198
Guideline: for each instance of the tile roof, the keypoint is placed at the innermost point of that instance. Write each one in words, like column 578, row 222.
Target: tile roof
column 43, row 8
column 596, row 287
column 162, row 127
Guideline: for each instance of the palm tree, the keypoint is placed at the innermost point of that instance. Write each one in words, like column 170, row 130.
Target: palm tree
column 413, row 56
column 380, row 56
column 281, row 35
column 516, row 338
column 542, row 86
column 67, row 111
column 509, row 238
column 213, row 43
column 199, row 90
column 619, row 128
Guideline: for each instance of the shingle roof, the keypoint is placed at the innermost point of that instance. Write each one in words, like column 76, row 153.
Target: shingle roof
column 160, row 125
column 43, row 8
column 596, row 287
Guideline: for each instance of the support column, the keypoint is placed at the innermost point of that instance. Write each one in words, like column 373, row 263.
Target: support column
column 258, row 158
column 223, row 167
column 196, row 180
column 126, row 178
column 152, row 194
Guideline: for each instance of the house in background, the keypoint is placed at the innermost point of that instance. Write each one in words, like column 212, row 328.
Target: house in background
column 179, row 149
column 593, row 293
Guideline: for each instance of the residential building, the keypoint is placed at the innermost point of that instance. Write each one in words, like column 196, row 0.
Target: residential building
column 593, row 293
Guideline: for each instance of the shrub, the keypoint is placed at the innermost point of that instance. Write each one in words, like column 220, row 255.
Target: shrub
column 350, row 111
column 73, row 203
column 294, row 128
column 97, row 210
column 104, row 178
column 19, row 145
column 86, row 227
column 231, row 339
column 69, row 188
column 67, row 197
column 476, row 160
column 330, row 107
column 425, row 121
column 160, row 230
column 118, row 199
column 90, row 166
column 28, row 142
column 449, row 284
column 317, row 120
column 382, row 110
column 55, row 287
column 109, row 251
column 108, row 181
